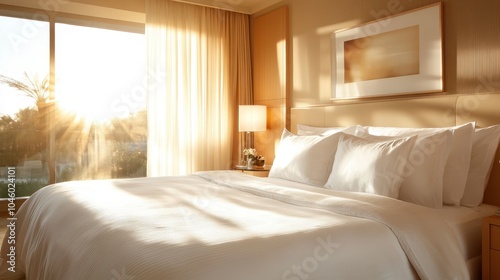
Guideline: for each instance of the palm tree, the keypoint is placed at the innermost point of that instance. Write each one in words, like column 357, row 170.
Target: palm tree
column 35, row 89
column 38, row 91
column 31, row 87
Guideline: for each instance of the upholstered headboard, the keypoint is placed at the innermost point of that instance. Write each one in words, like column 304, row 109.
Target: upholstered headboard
column 438, row 111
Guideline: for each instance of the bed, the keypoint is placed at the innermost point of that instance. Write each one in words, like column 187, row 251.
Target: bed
column 310, row 219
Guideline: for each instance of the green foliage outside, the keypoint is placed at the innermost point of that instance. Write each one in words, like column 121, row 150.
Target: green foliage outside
column 125, row 150
column 23, row 188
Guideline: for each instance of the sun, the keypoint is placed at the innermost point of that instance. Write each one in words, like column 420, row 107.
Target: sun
column 96, row 69
column 88, row 106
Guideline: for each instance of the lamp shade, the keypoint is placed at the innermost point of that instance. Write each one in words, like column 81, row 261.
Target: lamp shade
column 252, row 118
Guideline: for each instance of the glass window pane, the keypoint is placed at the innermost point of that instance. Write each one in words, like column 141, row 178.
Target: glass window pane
column 101, row 97
column 24, row 69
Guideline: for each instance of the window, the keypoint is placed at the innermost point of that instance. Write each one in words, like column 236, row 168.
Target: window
column 101, row 94
column 100, row 124
column 24, row 53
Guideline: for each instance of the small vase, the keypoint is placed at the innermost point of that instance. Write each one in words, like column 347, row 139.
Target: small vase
column 249, row 163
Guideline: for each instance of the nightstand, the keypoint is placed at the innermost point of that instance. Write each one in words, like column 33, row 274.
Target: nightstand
column 491, row 248
column 255, row 171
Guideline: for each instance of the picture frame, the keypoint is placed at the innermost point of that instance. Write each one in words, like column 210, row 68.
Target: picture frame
column 396, row 55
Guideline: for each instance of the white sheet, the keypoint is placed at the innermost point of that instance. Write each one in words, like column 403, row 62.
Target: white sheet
column 466, row 223
column 243, row 227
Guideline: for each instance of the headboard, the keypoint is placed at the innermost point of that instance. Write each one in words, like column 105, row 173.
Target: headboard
column 435, row 111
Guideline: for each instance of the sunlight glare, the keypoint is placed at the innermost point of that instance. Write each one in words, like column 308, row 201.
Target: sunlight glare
column 85, row 106
column 95, row 71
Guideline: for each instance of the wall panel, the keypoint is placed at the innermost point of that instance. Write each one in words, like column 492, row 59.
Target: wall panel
column 270, row 47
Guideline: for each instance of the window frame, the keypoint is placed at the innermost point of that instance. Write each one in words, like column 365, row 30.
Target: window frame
column 53, row 17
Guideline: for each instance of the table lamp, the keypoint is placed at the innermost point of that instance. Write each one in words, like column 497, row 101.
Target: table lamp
column 251, row 118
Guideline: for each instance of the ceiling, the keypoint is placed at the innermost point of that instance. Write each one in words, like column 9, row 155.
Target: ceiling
column 242, row 6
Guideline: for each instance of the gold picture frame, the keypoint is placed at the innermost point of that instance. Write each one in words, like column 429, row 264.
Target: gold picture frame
column 397, row 55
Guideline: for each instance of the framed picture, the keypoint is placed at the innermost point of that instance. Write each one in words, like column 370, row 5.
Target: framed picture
column 401, row 54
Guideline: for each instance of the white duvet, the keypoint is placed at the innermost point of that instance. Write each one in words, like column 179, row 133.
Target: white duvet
column 225, row 225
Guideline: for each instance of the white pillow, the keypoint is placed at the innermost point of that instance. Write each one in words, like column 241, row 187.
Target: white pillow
column 305, row 159
column 484, row 148
column 457, row 165
column 316, row 130
column 423, row 176
column 363, row 165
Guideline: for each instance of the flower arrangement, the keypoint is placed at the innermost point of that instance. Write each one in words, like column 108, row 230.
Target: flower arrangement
column 250, row 153
column 251, row 156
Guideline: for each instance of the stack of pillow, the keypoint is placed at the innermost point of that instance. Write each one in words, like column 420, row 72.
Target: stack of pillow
column 427, row 166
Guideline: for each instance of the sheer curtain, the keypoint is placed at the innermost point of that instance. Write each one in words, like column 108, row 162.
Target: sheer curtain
column 199, row 71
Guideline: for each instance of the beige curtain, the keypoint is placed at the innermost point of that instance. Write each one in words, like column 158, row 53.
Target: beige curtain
column 199, row 71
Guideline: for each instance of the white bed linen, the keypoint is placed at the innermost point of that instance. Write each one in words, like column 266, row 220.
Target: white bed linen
column 466, row 223
column 242, row 227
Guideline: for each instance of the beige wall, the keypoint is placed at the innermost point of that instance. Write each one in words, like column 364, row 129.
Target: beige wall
column 471, row 42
